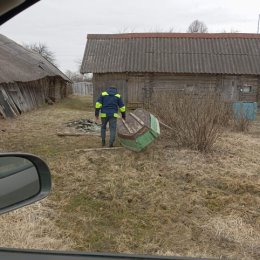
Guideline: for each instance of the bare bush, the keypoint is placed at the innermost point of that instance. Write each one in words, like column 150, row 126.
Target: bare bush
column 196, row 121
column 241, row 124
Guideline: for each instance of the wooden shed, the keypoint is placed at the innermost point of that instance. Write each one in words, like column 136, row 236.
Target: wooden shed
column 27, row 80
column 139, row 64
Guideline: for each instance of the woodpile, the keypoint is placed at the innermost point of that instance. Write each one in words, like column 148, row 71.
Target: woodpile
column 84, row 125
column 80, row 127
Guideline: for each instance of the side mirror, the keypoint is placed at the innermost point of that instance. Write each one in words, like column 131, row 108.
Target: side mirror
column 24, row 179
column 8, row 8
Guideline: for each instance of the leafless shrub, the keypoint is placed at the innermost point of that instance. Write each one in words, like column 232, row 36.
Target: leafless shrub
column 196, row 120
column 241, row 124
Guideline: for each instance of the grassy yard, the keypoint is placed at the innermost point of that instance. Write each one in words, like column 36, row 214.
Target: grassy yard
column 162, row 201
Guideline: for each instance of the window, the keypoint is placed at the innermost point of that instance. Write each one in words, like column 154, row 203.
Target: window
column 246, row 89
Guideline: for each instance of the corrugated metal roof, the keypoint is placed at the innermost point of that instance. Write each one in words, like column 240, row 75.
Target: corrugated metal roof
column 20, row 64
column 224, row 53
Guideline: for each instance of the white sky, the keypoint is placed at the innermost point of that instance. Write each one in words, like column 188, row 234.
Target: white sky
column 64, row 24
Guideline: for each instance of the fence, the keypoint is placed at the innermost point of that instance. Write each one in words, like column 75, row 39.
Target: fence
column 82, row 88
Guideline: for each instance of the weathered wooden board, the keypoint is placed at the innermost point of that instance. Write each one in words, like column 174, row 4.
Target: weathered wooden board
column 137, row 90
column 20, row 97
column 99, row 149
column 137, row 123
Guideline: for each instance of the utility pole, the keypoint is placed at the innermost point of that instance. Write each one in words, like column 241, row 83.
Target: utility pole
column 258, row 25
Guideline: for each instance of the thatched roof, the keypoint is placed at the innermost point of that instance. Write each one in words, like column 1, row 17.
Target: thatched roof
column 220, row 53
column 18, row 64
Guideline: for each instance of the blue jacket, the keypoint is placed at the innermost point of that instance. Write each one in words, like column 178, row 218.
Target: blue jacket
column 108, row 102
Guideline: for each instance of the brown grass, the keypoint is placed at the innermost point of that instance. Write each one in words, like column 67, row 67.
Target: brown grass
column 162, row 201
column 241, row 124
column 234, row 229
column 31, row 227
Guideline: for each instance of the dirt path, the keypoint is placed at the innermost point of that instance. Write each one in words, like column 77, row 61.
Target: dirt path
column 161, row 201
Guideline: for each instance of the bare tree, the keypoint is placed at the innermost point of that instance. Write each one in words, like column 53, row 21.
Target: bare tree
column 172, row 29
column 43, row 50
column 197, row 27
column 231, row 31
column 126, row 29
column 75, row 76
column 69, row 74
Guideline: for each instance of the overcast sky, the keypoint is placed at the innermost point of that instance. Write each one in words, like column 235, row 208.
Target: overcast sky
column 64, row 24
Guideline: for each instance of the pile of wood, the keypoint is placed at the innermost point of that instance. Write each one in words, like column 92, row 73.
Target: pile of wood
column 84, row 125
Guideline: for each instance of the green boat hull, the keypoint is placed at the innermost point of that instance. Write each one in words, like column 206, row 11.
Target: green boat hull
column 142, row 141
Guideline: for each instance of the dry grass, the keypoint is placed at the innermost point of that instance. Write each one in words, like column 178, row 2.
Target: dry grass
column 31, row 227
column 162, row 201
column 241, row 124
column 234, row 229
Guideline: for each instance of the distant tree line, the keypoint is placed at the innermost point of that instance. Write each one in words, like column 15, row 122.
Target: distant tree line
column 77, row 77
column 196, row 26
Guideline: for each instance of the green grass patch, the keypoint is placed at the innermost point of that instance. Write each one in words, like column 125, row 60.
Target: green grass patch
column 98, row 223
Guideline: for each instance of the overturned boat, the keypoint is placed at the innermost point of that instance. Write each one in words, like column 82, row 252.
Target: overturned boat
column 139, row 130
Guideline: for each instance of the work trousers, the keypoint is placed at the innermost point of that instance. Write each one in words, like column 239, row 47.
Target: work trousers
column 112, row 128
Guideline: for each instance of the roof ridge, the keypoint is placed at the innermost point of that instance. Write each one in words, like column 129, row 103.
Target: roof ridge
column 175, row 35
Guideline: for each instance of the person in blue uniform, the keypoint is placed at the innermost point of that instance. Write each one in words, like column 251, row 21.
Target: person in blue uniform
column 107, row 105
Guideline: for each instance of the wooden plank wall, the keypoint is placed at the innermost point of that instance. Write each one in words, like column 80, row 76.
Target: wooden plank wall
column 253, row 82
column 258, row 91
column 135, row 86
column 102, row 81
column 138, row 88
column 189, row 83
column 7, row 106
column 183, row 82
column 164, row 83
column 20, row 97
column 230, row 88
